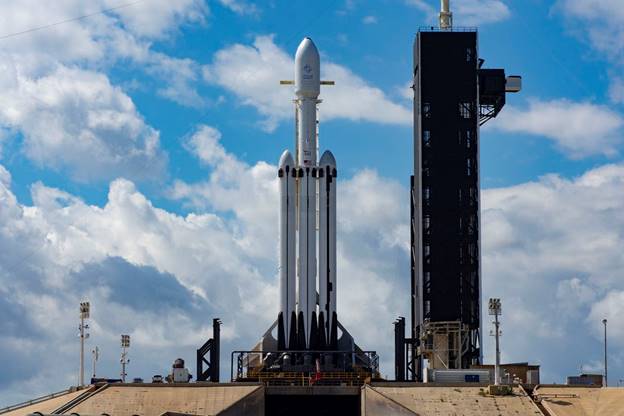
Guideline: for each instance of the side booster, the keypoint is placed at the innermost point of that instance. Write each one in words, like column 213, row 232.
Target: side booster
column 301, row 325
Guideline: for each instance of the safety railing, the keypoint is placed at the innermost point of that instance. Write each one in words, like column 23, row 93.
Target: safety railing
column 302, row 364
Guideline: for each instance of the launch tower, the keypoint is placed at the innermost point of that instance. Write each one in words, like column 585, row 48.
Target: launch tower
column 453, row 96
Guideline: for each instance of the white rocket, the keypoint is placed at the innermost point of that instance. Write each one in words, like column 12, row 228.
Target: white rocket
column 303, row 325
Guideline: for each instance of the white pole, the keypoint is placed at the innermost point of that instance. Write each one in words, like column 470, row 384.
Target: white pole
column 494, row 308
column 125, row 344
column 82, row 338
column 96, row 356
column 606, row 382
column 84, row 314
column 446, row 17
column 497, row 367
column 123, row 364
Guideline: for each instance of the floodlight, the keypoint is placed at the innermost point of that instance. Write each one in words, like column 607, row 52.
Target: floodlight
column 494, row 306
column 84, row 310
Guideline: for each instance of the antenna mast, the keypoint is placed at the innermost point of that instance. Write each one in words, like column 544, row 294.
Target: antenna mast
column 446, row 17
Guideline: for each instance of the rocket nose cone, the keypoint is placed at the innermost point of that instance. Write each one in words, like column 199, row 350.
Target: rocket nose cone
column 286, row 159
column 328, row 159
column 306, row 48
column 307, row 69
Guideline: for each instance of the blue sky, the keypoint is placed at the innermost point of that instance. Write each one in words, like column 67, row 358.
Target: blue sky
column 138, row 148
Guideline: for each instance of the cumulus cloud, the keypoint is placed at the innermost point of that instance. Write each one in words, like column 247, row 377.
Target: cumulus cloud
column 5, row 176
column 241, row 7
column 578, row 129
column 616, row 90
column 468, row 12
column 76, row 120
column 57, row 98
column 601, row 24
column 253, row 73
column 551, row 251
column 157, row 19
column 603, row 20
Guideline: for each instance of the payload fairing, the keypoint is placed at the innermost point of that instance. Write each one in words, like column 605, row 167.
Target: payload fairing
column 302, row 181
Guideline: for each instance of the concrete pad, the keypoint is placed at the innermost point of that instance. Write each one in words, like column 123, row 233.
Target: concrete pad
column 460, row 400
column 376, row 404
column 46, row 406
column 582, row 401
column 190, row 399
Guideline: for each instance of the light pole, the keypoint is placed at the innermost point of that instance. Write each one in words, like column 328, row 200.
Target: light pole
column 84, row 314
column 495, row 309
column 606, row 382
column 96, row 356
column 125, row 344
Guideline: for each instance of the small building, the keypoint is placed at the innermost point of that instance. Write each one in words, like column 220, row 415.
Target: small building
column 523, row 373
column 585, row 380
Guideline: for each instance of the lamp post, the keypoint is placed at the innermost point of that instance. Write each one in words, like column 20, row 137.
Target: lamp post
column 606, row 382
column 494, row 307
column 96, row 356
column 125, row 344
column 84, row 314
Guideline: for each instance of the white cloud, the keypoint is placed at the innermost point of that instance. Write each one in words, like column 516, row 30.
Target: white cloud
column 467, row 12
column 616, row 90
column 611, row 308
column 551, row 251
column 369, row 20
column 579, row 129
column 5, row 177
column 603, row 20
column 479, row 12
column 602, row 26
column 55, row 94
column 180, row 74
column 156, row 19
column 241, row 7
column 76, row 120
column 253, row 74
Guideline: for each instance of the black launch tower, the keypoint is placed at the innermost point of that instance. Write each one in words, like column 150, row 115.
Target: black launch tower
column 453, row 96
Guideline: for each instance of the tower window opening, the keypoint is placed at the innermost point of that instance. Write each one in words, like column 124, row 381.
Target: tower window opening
column 427, row 110
column 465, row 109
